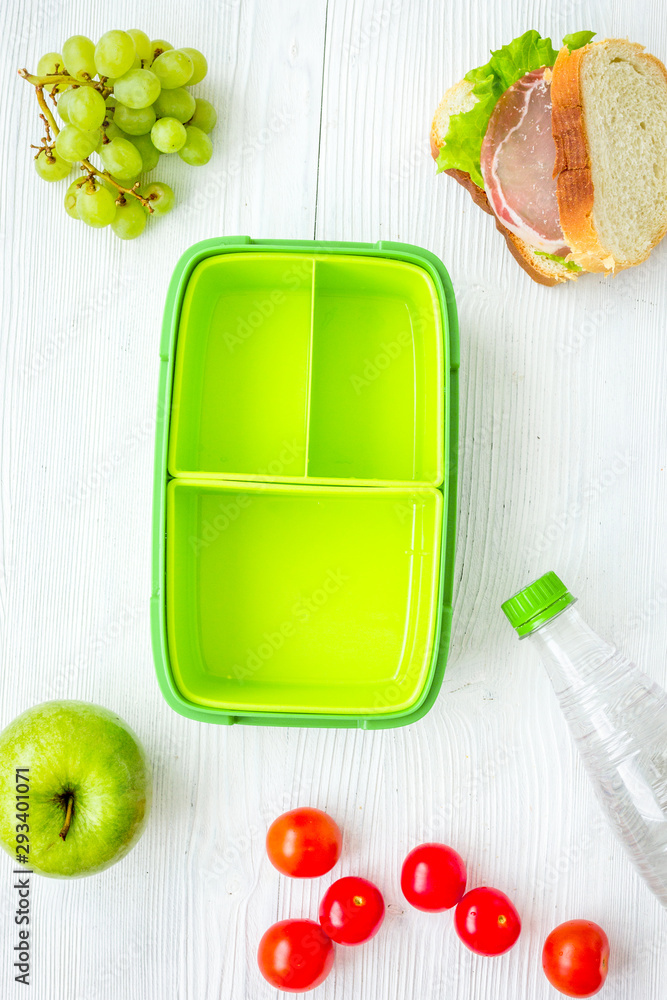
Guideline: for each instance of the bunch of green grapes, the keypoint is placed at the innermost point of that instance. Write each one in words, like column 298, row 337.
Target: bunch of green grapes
column 122, row 103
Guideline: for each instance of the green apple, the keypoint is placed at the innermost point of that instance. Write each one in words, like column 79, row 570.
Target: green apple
column 86, row 781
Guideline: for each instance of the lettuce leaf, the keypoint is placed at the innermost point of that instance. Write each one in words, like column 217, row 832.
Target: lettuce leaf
column 578, row 39
column 461, row 149
column 569, row 264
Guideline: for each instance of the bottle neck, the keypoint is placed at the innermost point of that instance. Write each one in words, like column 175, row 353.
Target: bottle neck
column 570, row 650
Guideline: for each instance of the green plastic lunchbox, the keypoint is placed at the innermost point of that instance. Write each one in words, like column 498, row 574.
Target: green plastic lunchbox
column 305, row 483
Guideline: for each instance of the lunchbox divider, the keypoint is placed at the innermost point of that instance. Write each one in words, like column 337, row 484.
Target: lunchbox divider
column 309, row 388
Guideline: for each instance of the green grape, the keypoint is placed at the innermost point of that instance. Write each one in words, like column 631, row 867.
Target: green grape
column 197, row 148
column 134, row 122
column 173, row 69
column 63, row 101
column 205, row 115
column 96, row 205
column 130, row 219
column 149, row 154
column 114, row 53
column 137, row 89
column 160, row 196
column 79, row 56
column 72, row 196
column 127, row 182
column 53, row 167
column 111, row 102
column 86, row 108
column 73, row 143
column 111, row 131
column 48, row 65
column 142, row 44
column 178, row 103
column 200, row 65
column 168, row 135
column 158, row 46
column 121, row 158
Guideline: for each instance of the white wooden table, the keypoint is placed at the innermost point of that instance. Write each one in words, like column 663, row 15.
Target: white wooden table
column 325, row 110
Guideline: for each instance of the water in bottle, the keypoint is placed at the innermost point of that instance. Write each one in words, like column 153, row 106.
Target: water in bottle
column 617, row 715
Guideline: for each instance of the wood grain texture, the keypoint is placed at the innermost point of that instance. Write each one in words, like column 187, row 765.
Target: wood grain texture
column 326, row 106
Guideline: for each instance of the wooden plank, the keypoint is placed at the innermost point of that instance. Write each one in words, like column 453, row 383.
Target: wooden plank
column 82, row 314
column 561, row 444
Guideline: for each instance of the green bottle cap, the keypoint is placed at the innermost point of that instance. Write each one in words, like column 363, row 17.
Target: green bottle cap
column 537, row 603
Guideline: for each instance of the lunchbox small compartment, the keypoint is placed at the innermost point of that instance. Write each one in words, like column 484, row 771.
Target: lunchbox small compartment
column 376, row 405
column 302, row 599
column 240, row 393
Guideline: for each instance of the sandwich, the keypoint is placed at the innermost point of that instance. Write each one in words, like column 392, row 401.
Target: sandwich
column 566, row 149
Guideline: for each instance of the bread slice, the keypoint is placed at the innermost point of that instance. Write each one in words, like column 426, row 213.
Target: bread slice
column 609, row 121
column 458, row 99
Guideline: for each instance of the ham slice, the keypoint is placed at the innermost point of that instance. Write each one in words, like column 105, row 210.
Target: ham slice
column 517, row 162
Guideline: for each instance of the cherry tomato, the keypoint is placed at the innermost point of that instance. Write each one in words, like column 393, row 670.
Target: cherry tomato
column 304, row 843
column 295, row 955
column 433, row 877
column 487, row 921
column 352, row 910
column 575, row 958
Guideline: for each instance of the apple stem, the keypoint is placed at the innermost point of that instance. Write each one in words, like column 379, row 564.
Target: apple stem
column 69, row 799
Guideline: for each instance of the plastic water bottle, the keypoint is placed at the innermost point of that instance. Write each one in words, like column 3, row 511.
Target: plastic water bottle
column 617, row 716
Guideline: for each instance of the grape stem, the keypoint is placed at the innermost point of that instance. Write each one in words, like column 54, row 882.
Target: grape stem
column 47, row 142
column 86, row 165
column 46, row 111
column 54, row 79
